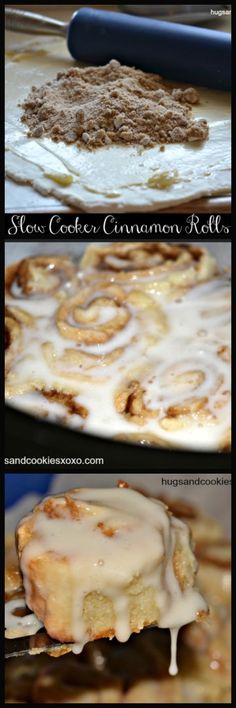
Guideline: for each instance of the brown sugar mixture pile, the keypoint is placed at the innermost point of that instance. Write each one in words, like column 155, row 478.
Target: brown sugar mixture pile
column 112, row 104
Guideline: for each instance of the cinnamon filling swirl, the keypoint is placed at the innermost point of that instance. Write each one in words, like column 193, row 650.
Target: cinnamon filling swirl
column 142, row 327
column 39, row 276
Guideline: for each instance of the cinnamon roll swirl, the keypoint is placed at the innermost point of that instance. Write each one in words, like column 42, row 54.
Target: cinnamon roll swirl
column 145, row 327
column 40, row 275
column 161, row 266
column 15, row 320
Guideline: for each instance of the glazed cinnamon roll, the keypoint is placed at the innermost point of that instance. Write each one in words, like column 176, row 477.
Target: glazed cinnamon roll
column 105, row 563
column 13, row 578
column 15, row 320
column 40, row 275
column 156, row 265
column 177, row 399
column 144, row 326
column 137, row 671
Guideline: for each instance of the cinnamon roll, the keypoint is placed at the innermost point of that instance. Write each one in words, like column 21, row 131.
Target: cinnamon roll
column 13, row 578
column 137, row 671
column 40, row 275
column 144, row 327
column 105, row 563
column 161, row 265
column 15, row 320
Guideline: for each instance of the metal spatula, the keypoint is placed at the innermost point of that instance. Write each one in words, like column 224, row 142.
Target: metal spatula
column 32, row 643
column 35, row 644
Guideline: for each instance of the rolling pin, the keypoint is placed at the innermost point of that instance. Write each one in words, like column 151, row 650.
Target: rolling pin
column 177, row 52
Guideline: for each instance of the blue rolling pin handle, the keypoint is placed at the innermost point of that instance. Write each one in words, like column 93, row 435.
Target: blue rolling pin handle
column 17, row 485
column 177, row 52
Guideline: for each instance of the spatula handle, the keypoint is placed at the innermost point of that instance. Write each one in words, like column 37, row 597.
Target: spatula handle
column 32, row 23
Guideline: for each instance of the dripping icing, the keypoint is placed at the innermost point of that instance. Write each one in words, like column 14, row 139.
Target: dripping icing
column 142, row 545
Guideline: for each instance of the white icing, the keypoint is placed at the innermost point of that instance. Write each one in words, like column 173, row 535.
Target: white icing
column 197, row 325
column 142, row 545
column 173, row 668
column 19, row 626
column 77, row 648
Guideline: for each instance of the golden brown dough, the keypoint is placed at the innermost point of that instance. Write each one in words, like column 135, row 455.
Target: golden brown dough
column 95, row 562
